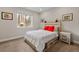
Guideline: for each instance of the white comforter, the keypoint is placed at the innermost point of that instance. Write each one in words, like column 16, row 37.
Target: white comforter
column 39, row 37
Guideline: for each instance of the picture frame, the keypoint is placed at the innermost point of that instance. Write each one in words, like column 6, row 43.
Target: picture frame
column 67, row 17
column 6, row 16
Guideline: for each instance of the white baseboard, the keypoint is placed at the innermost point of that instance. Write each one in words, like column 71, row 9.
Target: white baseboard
column 12, row 38
column 77, row 42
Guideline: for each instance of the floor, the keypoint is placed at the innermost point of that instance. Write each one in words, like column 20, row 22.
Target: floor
column 19, row 45
column 63, row 47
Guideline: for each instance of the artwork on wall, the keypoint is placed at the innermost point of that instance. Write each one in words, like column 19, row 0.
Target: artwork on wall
column 43, row 21
column 67, row 17
column 6, row 16
column 56, row 20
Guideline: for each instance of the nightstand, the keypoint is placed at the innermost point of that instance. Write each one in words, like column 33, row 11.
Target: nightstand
column 65, row 36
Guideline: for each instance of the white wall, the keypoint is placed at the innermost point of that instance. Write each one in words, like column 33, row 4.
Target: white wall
column 72, row 26
column 8, row 28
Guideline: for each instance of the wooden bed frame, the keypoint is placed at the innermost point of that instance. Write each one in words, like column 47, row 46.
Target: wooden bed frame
column 47, row 45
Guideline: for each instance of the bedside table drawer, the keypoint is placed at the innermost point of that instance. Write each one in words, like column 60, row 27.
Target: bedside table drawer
column 64, row 36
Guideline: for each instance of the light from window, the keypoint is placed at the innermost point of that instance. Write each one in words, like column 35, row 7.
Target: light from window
column 23, row 20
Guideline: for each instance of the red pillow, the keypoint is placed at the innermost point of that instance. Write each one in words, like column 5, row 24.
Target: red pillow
column 46, row 27
column 51, row 28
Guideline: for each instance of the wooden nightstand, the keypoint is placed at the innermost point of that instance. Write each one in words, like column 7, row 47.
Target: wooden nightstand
column 65, row 36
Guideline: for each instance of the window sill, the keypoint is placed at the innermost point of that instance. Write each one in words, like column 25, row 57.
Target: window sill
column 25, row 26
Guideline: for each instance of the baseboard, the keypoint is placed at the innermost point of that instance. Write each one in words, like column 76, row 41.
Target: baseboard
column 12, row 38
column 76, row 42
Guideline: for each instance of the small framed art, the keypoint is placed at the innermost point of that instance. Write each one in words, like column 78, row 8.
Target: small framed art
column 67, row 17
column 6, row 16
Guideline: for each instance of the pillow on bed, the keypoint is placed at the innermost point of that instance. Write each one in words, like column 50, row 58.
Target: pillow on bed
column 46, row 27
column 51, row 28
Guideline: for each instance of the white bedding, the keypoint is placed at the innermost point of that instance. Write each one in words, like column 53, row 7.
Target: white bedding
column 39, row 37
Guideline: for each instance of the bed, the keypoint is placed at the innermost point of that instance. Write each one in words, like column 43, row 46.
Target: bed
column 38, row 39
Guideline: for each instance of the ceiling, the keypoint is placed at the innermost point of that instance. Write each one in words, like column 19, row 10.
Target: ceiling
column 38, row 9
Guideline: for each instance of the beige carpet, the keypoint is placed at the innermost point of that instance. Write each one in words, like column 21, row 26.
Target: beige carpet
column 63, row 47
column 19, row 45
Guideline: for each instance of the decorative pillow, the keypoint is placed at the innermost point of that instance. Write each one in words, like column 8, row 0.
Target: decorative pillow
column 51, row 28
column 46, row 27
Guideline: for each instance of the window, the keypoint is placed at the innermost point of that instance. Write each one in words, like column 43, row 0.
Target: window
column 23, row 20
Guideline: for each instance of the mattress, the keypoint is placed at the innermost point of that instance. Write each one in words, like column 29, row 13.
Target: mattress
column 39, row 37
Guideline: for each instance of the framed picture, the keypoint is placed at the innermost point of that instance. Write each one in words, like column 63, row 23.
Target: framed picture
column 6, row 16
column 67, row 17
